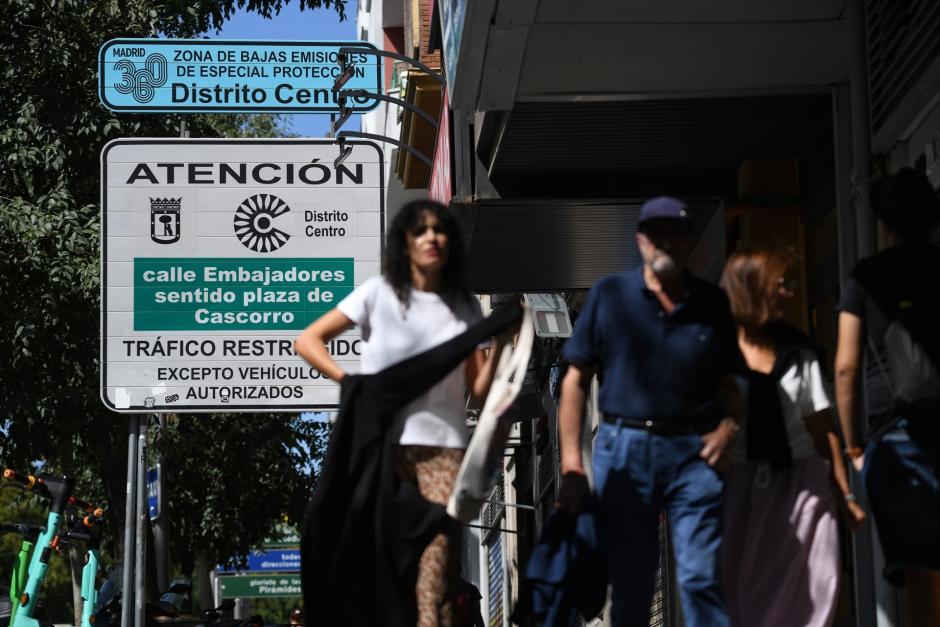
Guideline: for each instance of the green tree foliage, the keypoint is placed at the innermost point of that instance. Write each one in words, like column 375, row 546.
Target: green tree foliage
column 52, row 130
column 277, row 609
column 234, row 478
column 248, row 125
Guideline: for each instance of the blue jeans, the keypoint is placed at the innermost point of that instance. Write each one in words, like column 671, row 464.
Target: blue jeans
column 902, row 479
column 638, row 475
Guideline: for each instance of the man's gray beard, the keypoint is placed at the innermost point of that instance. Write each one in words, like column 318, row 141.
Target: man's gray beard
column 664, row 266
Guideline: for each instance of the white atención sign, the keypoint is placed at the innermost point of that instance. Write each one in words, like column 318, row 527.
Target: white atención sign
column 215, row 254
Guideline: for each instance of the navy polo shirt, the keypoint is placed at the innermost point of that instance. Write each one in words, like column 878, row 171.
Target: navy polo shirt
column 653, row 365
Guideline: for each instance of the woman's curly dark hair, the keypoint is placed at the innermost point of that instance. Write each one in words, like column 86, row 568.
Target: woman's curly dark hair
column 454, row 282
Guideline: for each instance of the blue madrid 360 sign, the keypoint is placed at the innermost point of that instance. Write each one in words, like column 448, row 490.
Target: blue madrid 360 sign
column 216, row 75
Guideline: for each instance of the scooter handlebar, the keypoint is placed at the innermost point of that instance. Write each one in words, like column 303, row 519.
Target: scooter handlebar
column 27, row 531
column 84, row 505
column 93, row 518
column 30, row 483
column 93, row 514
column 27, row 482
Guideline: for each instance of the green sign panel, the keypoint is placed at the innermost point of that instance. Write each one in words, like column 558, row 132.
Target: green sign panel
column 259, row 586
column 224, row 294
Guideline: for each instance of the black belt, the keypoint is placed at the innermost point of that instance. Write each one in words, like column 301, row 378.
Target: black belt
column 656, row 427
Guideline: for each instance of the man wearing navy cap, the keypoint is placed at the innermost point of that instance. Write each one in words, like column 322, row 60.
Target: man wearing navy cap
column 663, row 344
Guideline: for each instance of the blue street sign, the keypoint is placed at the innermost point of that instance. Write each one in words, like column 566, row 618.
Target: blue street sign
column 218, row 75
column 153, row 492
column 271, row 561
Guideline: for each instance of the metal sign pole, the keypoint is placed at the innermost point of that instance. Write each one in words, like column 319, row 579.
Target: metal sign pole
column 130, row 515
column 140, row 557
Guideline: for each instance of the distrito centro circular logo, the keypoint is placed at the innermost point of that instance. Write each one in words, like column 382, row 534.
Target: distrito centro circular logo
column 254, row 223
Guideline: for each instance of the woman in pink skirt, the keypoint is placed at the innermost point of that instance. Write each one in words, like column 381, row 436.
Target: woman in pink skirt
column 780, row 553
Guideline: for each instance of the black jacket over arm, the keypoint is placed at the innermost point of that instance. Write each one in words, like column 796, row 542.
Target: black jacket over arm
column 365, row 529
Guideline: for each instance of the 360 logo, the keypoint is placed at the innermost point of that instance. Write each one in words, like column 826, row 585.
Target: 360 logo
column 254, row 223
column 142, row 82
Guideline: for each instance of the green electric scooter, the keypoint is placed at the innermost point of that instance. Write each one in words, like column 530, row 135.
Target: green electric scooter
column 84, row 528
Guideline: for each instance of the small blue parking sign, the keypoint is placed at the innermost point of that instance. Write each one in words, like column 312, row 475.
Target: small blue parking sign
column 153, row 492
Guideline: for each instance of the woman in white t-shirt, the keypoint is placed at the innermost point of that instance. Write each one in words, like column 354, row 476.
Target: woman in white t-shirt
column 780, row 548
column 422, row 300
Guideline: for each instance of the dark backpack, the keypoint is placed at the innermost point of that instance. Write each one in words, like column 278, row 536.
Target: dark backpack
column 912, row 353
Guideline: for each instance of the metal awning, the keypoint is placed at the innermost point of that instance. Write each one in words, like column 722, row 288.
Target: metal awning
column 557, row 50
column 642, row 147
column 424, row 93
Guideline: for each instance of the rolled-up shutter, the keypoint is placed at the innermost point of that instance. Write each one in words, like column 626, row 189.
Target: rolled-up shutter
column 903, row 41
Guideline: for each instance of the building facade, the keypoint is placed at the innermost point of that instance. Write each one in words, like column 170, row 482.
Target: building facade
column 556, row 119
